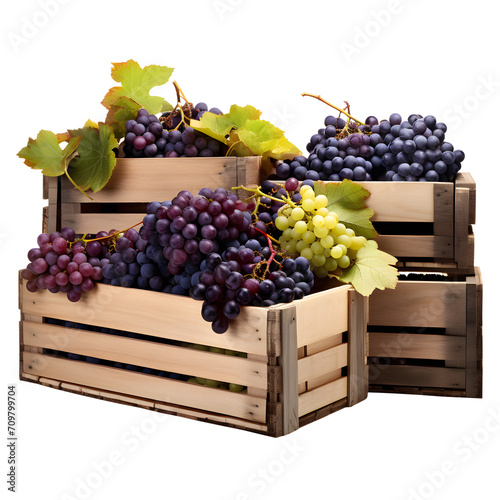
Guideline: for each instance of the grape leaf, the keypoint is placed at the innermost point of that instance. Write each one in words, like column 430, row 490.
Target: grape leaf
column 136, row 83
column 284, row 150
column 93, row 166
column 122, row 110
column 347, row 200
column 371, row 269
column 45, row 153
column 219, row 126
column 246, row 134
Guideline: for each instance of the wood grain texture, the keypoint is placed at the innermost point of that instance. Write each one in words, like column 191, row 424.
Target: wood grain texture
column 289, row 364
column 465, row 180
column 322, row 396
column 357, row 348
column 401, row 201
column 474, row 353
column 462, row 228
column 322, row 363
column 421, row 304
column 418, row 376
column 417, row 346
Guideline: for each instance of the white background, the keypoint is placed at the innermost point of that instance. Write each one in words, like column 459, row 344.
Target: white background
column 382, row 56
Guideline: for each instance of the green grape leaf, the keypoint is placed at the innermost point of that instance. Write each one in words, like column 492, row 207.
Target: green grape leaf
column 347, row 200
column 122, row 110
column 371, row 269
column 246, row 134
column 45, row 153
column 93, row 166
column 136, row 83
column 220, row 126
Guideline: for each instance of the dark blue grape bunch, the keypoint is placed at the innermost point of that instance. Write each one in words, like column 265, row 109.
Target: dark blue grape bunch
column 413, row 150
column 394, row 150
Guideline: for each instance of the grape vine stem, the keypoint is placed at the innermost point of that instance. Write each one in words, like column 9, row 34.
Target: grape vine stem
column 257, row 192
column 273, row 250
column 83, row 240
column 333, row 106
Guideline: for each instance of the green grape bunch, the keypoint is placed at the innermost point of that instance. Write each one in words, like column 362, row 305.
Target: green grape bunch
column 312, row 231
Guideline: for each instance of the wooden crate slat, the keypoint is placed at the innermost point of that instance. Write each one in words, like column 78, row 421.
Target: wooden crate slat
column 322, row 396
column 417, row 346
column 418, row 376
column 149, row 386
column 123, row 309
column 157, row 179
column 142, row 353
column 409, row 201
column 416, row 246
column 322, row 363
column 421, row 304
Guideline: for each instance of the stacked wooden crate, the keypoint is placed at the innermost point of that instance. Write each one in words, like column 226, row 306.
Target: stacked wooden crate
column 295, row 362
column 426, row 335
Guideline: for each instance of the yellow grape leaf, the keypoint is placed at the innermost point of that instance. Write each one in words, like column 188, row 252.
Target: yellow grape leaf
column 45, row 153
column 136, row 83
column 220, row 126
column 371, row 269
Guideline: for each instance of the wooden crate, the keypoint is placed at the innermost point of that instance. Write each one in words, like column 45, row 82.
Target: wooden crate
column 425, row 337
column 304, row 360
column 136, row 182
column 426, row 225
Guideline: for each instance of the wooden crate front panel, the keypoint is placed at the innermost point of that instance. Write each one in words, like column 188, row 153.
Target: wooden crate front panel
column 427, row 335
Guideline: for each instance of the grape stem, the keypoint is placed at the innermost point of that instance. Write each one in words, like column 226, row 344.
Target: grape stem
column 273, row 251
column 257, row 192
column 83, row 240
column 333, row 106
column 180, row 94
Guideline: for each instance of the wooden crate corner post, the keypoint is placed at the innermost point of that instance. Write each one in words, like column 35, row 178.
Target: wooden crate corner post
column 357, row 348
column 290, row 370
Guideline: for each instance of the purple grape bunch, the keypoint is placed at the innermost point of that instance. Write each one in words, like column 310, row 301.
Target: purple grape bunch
column 183, row 231
column 146, row 137
column 59, row 264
